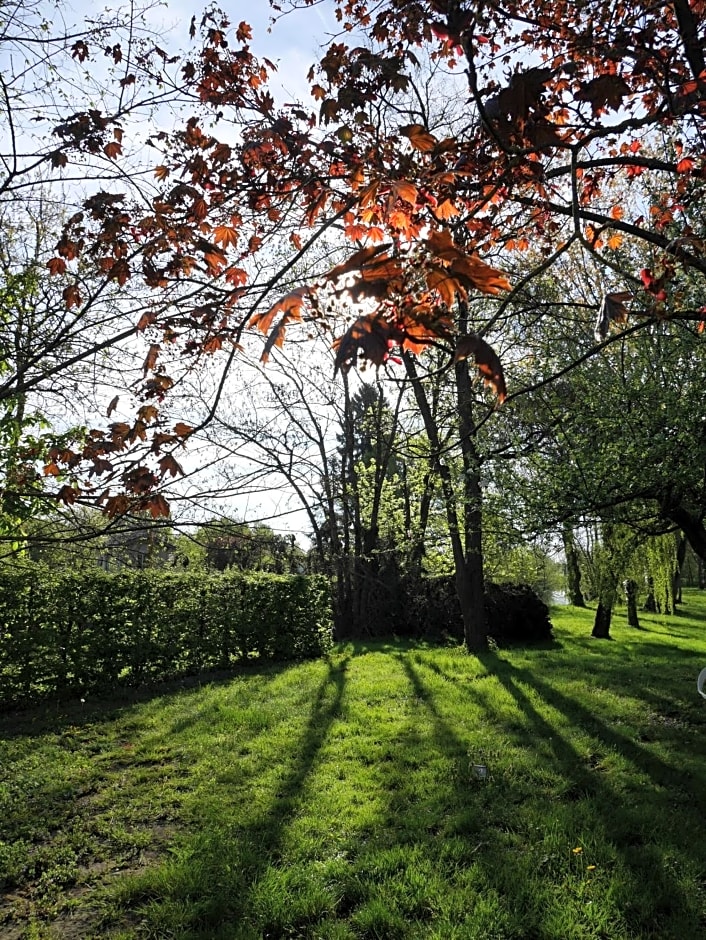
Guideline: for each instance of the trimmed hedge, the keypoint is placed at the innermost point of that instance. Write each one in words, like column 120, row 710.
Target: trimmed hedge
column 70, row 633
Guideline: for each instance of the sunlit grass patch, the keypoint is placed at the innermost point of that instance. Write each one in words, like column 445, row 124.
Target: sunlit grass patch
column 390, row 790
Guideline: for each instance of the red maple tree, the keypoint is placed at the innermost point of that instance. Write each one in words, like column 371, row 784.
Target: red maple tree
column 565, row 106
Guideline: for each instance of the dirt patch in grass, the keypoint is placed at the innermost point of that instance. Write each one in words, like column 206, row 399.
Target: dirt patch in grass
column 72, row 910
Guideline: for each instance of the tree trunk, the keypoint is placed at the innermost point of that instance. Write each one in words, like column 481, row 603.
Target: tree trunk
column 573, row 572
column 476, row 635
column 650, row 605
column 610, row 569
column 630, row 588
column 601, row 624
column 677, row 580
column 691, row 524
column 468, row 565
column 415, row 547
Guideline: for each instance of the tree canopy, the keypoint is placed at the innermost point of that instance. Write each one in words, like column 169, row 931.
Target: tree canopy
column 567, row 113
column 448, row 160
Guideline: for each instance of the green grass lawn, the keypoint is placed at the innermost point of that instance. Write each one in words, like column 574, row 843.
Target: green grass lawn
column 343, row 798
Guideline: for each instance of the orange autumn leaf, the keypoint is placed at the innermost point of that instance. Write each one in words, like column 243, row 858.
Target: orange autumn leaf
column 446, row 210
column 442, row 246
column 157, row 506
column 148, row 413
column 168, row 464
column 236, row 276
column 56, row 266
column 369, row 335
column 72, row 296
column 112, row 149
column 68, row 495
column 439, row 279
column 355, row 232
column 419, row 137
column 406, row 191
column 487, row 362
column 480, row 275
column 399, row 220
column 225, row 235
column 356, row 261
column 151, row 358
column 291, row 305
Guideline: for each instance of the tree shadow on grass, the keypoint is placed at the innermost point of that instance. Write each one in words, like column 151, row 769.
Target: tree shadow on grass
column 55, row 714
column 597, row 812
column 663, row 774
column 668, row 676
column 209, row 888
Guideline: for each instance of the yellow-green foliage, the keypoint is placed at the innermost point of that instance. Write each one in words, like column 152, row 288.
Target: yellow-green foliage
column 70, row 632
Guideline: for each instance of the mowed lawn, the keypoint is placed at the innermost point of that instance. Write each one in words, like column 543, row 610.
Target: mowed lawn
column 391, row 791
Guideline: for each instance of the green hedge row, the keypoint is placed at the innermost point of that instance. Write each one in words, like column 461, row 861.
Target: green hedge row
column 65, row 633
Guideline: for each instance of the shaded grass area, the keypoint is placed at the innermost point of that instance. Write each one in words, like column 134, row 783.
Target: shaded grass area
column 344, row 798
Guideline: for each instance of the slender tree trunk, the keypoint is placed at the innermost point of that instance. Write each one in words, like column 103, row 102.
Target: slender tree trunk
column 650, row 605
column 677, row 580
column 573, row 571
column 415, row 547
column 616, row 553
column 346, row 614
column 477, row 633
column 468, row 569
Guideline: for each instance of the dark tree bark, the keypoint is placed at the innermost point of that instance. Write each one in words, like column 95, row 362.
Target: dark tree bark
column 468, row 565
column 366, row 592
column 630, row 588
column 415, row 549
column 476, row 634
column 650, row 605
column 601, row 624
column 677, row 580
column 609, row 579
column 691, row 524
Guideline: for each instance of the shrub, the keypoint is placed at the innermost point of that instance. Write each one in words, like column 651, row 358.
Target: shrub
column 516, row 614
column 80, row 631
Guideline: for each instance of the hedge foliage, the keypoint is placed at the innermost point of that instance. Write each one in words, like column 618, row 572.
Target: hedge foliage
column 70, row 633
